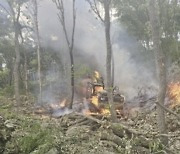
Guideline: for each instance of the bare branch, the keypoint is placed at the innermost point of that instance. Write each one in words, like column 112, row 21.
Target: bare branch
column 11, row 8
column 74, row 25
column 168, row 110
column 61, row 14
column 95, row 9
column 154, row 99
column 18, row 12
column 7, row 11
column 60, row 18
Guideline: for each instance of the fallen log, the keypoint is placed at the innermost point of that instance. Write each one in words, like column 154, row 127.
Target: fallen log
column 112, row 137
column 168, row 110
column 115, row 132
column 154, row 100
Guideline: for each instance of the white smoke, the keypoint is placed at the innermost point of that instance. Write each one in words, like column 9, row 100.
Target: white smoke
column 133, row 68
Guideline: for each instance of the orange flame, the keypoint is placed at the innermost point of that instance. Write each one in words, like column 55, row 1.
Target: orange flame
column 61, row 104
column 174, row 94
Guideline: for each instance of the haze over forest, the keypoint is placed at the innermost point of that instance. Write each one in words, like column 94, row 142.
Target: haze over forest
column 89, row 76
column 131, row 59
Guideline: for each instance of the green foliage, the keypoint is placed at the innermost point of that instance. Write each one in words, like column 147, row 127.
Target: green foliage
column 37, row 139
column 156, row 147
column 82, row 70
column 31, row 136
column 7, row 54
column 4, row 77
column 134, row 16
column 31, row 142
column 7, row 91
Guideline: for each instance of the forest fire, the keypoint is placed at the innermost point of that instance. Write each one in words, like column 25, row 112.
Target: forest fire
column 61, row 104
column 96, row 87
column 92, row 99
column 98, row 99
column 174, row 94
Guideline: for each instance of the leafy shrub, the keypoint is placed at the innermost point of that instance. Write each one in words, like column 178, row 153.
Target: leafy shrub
column 7, row 91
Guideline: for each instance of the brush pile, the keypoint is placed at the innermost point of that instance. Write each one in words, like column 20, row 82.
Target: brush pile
column 131, row 136
column 77, row 133
column 6, row 128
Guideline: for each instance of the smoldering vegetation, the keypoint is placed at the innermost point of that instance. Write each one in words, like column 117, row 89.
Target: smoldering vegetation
column 134, row 66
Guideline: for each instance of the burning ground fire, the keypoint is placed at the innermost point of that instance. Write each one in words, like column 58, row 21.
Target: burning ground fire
column 61, row 104
column 61, row 108
column 174, row 94
column 93, row 106
column 92, row 101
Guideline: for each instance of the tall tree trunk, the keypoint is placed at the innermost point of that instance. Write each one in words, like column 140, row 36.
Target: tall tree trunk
column 70, row 42
column 39, row 71
column 109, row 59
column 38, row 49
column 16, row 65
column 15, row 17
column 175, row 31
column 160, row 66
column 71, row 55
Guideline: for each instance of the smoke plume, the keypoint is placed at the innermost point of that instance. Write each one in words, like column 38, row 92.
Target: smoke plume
column 134, row 66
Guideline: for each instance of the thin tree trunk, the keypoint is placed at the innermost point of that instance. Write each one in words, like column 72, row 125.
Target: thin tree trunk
column 160, row 66
column 16, row 66
column 38, row 49
column 175, row 33
column 1, row 68
column 10, row 77
column 72, row 57
column 72, row 80
column 39, row 71
column 113, row 69
column 25, row 72
column 70, row 43
column 109, row 59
